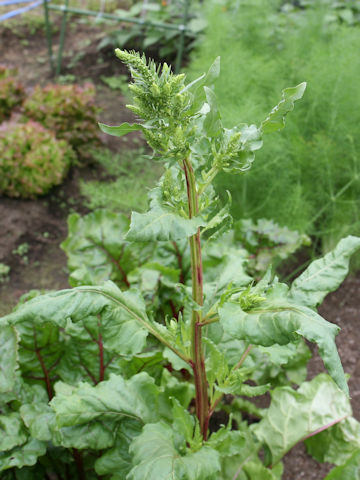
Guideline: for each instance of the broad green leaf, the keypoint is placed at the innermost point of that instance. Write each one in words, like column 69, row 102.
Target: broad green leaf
column 276, row 118
column 12, row 431
column 117, row 461
column 280, row 320
column 237, row 450
column 208, row 80
column 40, row 420
column 183, row 424
column 171, row 387
column 123, row 312
column 96, row 249
column 349, row 471
column 41, row 346
column 212, row 123
column 325, row 274
column 281, row 364
column 113, row 399
column 24, row 455
column 336, row 444
column 267, row 242
column 296, row 414
column 223, row 265
column 156, row 458
column 257, row 471
column 220, row 223
column 161, row 223
column 8, row 355
column 121, row 130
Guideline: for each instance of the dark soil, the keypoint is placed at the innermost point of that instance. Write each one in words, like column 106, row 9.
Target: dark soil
column 41, row 224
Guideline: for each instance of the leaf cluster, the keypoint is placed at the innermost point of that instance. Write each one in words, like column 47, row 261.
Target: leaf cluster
column 67, row 110
column 32, row 160
column 11, row 92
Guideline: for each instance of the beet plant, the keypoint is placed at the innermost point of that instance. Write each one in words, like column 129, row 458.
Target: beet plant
column 123, row 379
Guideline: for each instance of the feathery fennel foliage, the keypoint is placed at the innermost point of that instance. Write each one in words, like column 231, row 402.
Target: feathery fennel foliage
column 308, row 177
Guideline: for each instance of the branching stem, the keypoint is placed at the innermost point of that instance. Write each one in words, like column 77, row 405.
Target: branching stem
column 197, row 355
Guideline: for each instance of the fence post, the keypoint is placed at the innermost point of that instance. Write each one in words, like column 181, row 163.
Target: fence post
column 48, row 35
column 62, row 37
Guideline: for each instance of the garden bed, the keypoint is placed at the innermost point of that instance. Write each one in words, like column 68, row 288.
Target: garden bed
column 41, row 224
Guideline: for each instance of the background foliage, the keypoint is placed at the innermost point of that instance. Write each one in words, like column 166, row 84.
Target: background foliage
column 308, row 177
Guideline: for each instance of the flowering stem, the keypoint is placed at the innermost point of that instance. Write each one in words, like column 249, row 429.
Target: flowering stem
column 197, row 355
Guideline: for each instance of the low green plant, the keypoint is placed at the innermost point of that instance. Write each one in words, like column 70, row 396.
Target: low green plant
column 100, row 381
column 4, row 272
column 131, row 175
column 149, row 37
column 267, row 242
column 69, row 111
column 337, row 11
column 11, row 92
column 119, row 82
column 22, row 250
column 32, row 160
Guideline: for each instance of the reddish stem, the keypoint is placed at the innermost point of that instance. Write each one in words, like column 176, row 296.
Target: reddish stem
column 174, row 311
column 79, row 464
column 197, row 356
column 45, row 372
column 117, row 264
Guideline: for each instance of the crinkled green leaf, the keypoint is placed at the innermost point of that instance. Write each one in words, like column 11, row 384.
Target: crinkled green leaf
column 124, row 313
column 161, row 222
column 113, row 399
column 8, row 355
column 41, row 346
column 267, row 242
column 117, row 461
column 296, row 414
column 336, row 444
column 120, row 130
column 280, row 320
column 325, row 274
column 183, row 424
column 237, row 449
column 156, row 458
column 96, row 249
column 24, row 455
column 40, row 420
column 281, row 364
column 349, row 471
column 223, row 265
column 12, row 432
column 257, row 471
column 276, row 118
column 220, row 223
